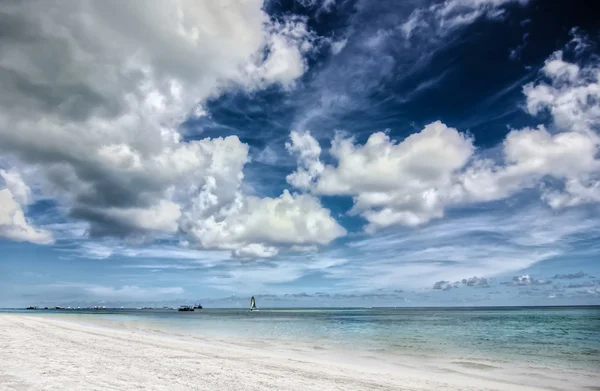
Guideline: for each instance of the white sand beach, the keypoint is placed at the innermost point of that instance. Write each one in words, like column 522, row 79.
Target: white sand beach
column 50, row 353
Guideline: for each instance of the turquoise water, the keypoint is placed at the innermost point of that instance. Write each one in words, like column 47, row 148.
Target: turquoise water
column 557, row 336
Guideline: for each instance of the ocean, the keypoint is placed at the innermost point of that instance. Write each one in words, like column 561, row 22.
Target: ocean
column 550, row 337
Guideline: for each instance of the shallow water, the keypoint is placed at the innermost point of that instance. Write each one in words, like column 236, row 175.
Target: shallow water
column 561, row 337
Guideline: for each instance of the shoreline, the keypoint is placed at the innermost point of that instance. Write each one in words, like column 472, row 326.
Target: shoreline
column 52, row 354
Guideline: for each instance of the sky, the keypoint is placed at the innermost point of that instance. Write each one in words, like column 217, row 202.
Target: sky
column 306, row 152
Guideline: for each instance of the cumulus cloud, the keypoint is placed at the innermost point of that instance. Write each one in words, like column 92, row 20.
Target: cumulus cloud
column 254, row 226
column 14, row 225
column 473, row 282
column 13, row 199
column 571, row 97
column 307, row 150
column 93, row 94
column 413, row 181
column 476, row 281
column 442, row 285
column 526, row 280
column 392, row 183
column 17, row 187
column 567, row 152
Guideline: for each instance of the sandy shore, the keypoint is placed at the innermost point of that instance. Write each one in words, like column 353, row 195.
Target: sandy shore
column 43, row 353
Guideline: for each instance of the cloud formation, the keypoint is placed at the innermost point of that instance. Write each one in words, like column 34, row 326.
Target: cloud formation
column 480, row 282
column 255, row 226
column 13, row 224
column 443, row 285
column 94, row 93
column 570, row 276
column 476, row 281
column 526, row 280
column 392, row 183
column 97, row 150
column 443, row 17
column 415, row 180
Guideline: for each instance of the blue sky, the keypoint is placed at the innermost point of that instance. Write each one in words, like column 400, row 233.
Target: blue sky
column 310, row 153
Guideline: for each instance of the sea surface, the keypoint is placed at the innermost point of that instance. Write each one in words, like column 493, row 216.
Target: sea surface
column 561, row 337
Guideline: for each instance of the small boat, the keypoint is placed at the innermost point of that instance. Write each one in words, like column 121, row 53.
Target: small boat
column 32, row 307
column 186, row 308
column 198, row 306
column 253, row 304
column 58, row 307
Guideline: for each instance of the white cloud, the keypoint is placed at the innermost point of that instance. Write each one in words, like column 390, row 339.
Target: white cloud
column 162, row 216
column 267, row 156
column 338, row 46
column 323, row 5
column 15, row 184
column 479, row 242
column 569, row 96
column 442, row 285
column 443, row 17
column 253, row 226
column 307, row 150
column 526, row 280
column 413, row 181
column 287, row 43
column 254, row 278
column 95, row 251
column 392, row 183
column 70, row 230
column 14, row 225
column 556, row 68
column 475, row 281
column 171, row 252
column 93, row 94
column 593, row 291
column 258, row 276
column 530, row 155
column 568, row 153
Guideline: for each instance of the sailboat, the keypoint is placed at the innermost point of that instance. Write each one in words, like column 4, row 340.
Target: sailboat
column 253, row 304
